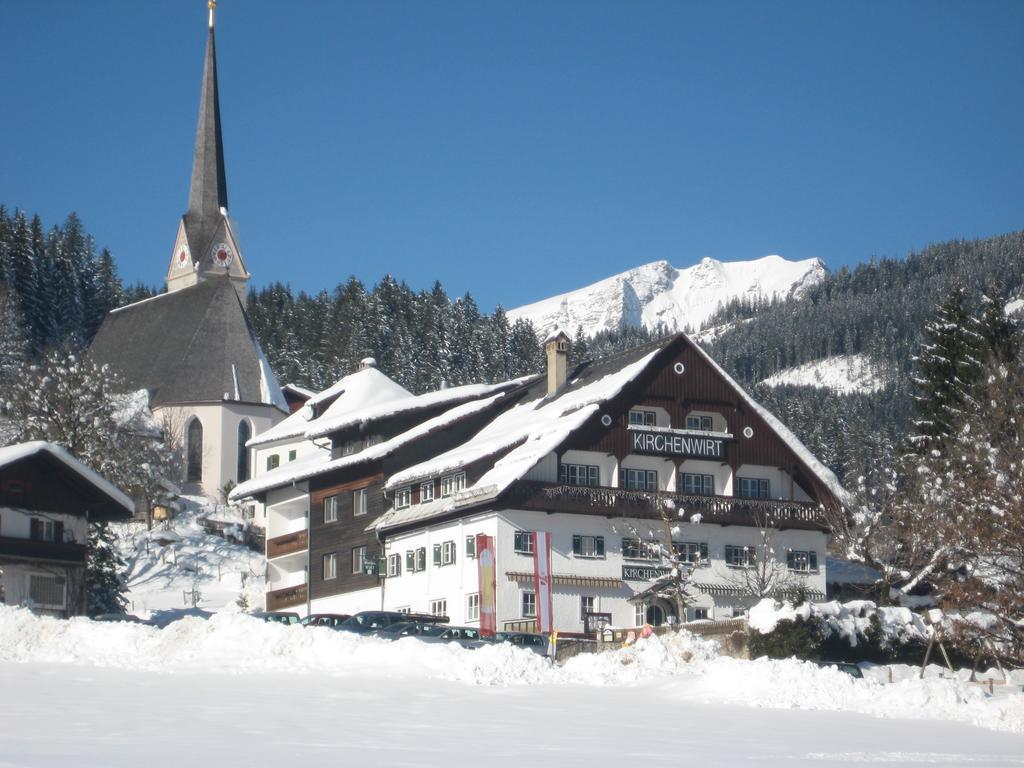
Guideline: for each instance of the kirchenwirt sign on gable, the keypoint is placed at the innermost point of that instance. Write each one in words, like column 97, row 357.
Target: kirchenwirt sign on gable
column 687, row 444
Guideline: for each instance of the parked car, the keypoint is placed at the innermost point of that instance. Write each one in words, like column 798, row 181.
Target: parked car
column 369, row 622
column 284, row 617
column 843, row 666
column 528, row 640
column 467, row 637
column 410, row 629
column 332, row 620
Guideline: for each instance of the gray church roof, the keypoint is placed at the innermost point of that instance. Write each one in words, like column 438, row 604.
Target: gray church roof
column 192, row 345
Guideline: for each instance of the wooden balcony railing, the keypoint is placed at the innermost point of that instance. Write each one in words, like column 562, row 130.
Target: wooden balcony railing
column 623, row 502
column 287, row 544
column 286, row 598
column 42, row 550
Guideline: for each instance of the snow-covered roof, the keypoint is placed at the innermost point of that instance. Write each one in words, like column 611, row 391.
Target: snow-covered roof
column 529, row 431
column 19, row 451
column 318, row 464
column 345, row 413
column 293, row 426
column 355, row 393
column 300, row 391
column 532, row 429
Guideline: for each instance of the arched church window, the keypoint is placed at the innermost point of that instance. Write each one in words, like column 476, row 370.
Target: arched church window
column 244, row 433
column 194, row 452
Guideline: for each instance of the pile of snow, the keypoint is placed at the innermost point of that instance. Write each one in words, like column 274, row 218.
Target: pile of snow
column 849, row 620
column 178, row 563
column 846, row 374
column 659, row 295
column 681, row 666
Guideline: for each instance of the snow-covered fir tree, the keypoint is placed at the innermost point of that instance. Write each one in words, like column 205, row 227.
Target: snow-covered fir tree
column 104, row 572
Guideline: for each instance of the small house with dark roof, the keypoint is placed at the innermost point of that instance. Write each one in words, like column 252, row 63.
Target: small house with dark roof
column 47, row 500
column 193, row 348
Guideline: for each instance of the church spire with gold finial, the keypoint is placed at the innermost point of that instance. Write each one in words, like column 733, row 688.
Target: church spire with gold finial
column 213, row 6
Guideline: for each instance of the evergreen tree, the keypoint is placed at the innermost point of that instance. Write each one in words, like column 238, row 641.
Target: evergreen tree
column 948, row 369
column 14, row 344
column 105, row 571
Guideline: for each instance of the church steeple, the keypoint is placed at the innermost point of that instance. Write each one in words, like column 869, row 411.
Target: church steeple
column 206, row 243
column 209, row 190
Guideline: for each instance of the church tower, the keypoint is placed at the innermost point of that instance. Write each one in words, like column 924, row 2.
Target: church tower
column 193, row 348
column 206, row 244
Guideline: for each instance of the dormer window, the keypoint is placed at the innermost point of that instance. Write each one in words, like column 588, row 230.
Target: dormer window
column 403, row 498
column 641, row 418
column 451, row 484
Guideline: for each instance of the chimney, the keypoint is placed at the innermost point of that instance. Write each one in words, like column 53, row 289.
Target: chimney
column 367, row 362
column 557, row 348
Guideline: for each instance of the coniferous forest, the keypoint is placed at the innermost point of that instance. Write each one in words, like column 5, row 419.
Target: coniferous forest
column 56, row 286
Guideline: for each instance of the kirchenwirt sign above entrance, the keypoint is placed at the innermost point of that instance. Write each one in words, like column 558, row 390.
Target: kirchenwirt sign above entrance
column 677, row 444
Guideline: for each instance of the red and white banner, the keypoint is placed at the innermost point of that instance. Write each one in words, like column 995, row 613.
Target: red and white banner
column 486, row 570
column 542, row 580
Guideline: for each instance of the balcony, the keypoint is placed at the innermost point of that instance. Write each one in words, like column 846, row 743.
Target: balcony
column 30, row 549
column 290, row 543
column 622, row 502
column 288, row 597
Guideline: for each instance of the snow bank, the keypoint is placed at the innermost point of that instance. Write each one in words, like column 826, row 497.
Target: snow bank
column 850, row 620
column 682, row 666
column 845, row 374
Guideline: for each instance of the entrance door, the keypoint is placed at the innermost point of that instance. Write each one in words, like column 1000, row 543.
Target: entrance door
column 655, row 615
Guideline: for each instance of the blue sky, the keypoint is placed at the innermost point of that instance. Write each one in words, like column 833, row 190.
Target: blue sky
column 521, row 149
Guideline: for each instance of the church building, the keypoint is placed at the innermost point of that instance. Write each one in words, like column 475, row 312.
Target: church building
column 193, row 348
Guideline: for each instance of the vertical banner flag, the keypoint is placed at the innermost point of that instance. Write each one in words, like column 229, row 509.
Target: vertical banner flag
column 486, row 570
column 542, row 580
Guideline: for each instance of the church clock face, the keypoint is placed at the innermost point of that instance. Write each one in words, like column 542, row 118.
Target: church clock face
column 222, row 255
column 182, row 258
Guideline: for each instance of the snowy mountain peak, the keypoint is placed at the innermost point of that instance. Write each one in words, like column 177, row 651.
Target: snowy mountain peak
column 659, row 294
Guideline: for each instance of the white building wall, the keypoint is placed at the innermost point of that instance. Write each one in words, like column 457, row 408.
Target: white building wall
column 454, row 582
column 283, row 449
column 17, row 524
column 220, row 436
column 778, row 481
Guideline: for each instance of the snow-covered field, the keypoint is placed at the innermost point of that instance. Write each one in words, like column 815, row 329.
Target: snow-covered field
column 846, row 374
column 236, row 691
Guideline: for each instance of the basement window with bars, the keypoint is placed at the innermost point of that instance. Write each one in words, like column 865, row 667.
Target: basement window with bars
column 47, row 591
column 439, row 607
column 579, row 474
